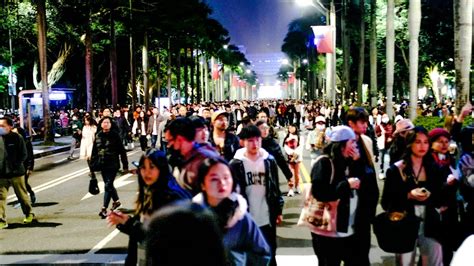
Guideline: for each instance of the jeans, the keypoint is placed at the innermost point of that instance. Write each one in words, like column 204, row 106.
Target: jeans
column 383, row 152
column 73, row 147
column 270, row 235
column 18, row 184
column 153, row 140
column 108, row 175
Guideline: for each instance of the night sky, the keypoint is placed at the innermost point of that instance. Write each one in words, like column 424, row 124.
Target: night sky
column 259, row 25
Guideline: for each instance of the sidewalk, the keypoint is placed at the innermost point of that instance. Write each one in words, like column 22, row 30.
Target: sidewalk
column 41, row 151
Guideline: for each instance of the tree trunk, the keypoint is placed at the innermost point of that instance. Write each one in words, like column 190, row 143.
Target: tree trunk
column 185, row 68
column 133, row 84
column 390, row 55
column 178, row 74
column 346, row 46
column 113, row 59
column 414, row 22
column 192, row 66
column 145, row 70
column 158, row 74
column 198, row 78
column 168, row 85
column 41, row 25
column 462, row 49
column 373, row 53
column 360, row 76
column 89, row 64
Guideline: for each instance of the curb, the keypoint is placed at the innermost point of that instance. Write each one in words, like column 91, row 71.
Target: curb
column 50, row 152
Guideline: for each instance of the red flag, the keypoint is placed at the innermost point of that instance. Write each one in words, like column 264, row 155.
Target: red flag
column 323, row 36
column 291, row 79
column 215, row 72
column 235, row 81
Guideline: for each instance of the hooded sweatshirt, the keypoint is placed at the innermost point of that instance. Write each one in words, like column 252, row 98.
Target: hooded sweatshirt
column 255, row 185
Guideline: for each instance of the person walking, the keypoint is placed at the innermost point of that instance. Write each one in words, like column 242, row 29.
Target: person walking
column 226, row 143
column 87, row 140
column 76, row 126
column 332, row 181
column 257, row 173
column 413, row 185
column 156, row 188
column 368, row 193
column 294, row 154
column 105, row 156
column 243, row 240
column 12, row 157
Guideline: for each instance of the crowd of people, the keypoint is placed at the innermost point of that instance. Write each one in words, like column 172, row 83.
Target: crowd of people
column 225, row 158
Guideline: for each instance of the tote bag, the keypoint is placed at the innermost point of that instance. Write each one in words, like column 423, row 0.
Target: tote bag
column 320, row 217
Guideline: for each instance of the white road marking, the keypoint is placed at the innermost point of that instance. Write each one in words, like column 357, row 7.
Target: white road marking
column 104, row 242
column 282, row 260
column 52, row 183
column 60, row 161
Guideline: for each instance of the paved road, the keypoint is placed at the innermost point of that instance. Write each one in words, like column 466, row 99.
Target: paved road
column 69, row 229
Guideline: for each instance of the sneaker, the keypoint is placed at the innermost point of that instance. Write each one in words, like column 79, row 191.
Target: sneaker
column 33, row 198
column 29, row 219
column 70, row 158
column 103, row 213
column 3, row 225
column 115, row 205
column 298, row 190
column 17, row 206
column 381, row 176
column 291, row 193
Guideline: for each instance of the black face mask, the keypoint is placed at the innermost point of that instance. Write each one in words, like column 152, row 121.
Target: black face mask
column 225, row 210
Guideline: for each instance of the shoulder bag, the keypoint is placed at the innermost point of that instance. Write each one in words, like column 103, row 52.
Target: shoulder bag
column 396, row 232
column 320, row 217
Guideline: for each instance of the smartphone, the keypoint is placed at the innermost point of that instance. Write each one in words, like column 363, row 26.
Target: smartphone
column 135, row 163
column 424, row 190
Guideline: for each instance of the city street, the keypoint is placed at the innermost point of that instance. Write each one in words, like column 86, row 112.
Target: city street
column 69, row 229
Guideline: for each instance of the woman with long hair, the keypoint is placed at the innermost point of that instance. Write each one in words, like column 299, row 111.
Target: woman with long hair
column 413, row 186
column 332, row 181
column 294, row 151
column 156, row 188
column 139, row 129
column 105, row 156
column 87, row 140
column 243, row 240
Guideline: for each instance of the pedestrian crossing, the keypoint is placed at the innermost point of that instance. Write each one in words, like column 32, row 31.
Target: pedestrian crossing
column 119, row 259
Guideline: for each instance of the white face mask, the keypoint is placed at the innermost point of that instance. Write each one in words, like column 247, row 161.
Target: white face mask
column 320, row 127
column 385, row 120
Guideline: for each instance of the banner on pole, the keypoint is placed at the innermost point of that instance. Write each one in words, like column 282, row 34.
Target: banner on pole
column 323, row 38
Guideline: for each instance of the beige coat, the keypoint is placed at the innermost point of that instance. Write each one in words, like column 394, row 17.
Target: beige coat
column 87, row 141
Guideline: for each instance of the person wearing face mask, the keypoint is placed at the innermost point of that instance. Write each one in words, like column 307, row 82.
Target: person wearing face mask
column 384, row 132
column 451, row 238
column 13, row 154
column 317, row 138
column 76, row 126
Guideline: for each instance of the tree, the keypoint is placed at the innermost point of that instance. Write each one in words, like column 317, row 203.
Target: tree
column 360, row 76
column 390, row 55
column 41, row 27
column 373, row 53
column 462, row 49
column 414, row 22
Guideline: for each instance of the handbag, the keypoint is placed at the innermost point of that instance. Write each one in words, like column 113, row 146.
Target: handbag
column 93, row 186
column 97, row 161
column 396, row 232
column 320, row 217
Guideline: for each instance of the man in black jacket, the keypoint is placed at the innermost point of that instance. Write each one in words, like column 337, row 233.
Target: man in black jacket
column 12, row 156
column 225, row 142
column 257, row 174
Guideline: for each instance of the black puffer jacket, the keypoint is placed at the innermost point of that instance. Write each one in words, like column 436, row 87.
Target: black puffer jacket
column 15, row 155
column 109, row 146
